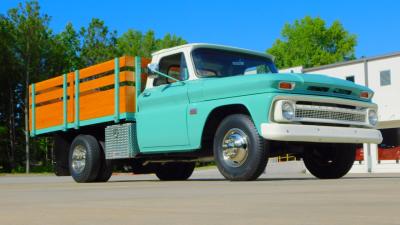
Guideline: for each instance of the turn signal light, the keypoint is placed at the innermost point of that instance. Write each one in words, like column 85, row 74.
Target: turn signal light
column 365, row 94
column 286, row 85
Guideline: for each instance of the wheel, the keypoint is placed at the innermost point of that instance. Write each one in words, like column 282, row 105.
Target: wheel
column 106, row 166
column 84, row 158
column 239, row 151
column 175, row 170
column 329, row 161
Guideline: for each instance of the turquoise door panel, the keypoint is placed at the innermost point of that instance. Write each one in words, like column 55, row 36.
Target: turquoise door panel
column 162, row 117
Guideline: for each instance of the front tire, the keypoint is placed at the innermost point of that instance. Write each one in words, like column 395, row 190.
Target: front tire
column 239, row 151
column 84, row 158
column 175, row 170
column 329, row 161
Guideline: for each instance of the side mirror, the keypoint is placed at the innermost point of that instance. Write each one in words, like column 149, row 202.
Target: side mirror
column 153, row 68
column 154, row 73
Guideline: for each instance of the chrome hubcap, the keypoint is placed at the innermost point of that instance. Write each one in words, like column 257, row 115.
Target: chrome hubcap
column 235, row 147
column 79, row 158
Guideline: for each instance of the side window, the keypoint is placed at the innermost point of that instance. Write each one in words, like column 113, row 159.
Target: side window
column 385, row 77
column 174, row 66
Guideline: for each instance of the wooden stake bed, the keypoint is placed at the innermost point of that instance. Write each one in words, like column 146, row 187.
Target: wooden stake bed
column 105, row 92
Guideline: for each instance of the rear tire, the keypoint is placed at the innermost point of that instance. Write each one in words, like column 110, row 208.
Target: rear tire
column 84, row 158
column 240, row 152
column 175, row 170
column 106, row 166
column 329, row 161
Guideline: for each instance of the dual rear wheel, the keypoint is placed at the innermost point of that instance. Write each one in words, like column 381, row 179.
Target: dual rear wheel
column 87, row 162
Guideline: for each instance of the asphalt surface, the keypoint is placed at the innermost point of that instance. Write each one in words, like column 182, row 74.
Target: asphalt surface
column 287, row 198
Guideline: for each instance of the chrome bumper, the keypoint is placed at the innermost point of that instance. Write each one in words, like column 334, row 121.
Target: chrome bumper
column 312, row 133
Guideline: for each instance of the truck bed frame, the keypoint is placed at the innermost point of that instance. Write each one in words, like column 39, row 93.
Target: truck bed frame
column 102, row 93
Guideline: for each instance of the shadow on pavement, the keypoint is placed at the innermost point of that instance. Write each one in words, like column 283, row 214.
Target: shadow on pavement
column 272, row 179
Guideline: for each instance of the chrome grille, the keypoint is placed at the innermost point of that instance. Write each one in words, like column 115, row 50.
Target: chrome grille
column 330, row 114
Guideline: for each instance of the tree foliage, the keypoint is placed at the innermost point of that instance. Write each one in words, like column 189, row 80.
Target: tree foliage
column 135, row 42
column 310, row 42
column 99, row 44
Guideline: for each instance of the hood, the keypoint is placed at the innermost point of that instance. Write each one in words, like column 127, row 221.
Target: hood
column 307, row 84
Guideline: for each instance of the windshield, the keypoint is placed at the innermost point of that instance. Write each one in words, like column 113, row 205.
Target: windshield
column 221, row 63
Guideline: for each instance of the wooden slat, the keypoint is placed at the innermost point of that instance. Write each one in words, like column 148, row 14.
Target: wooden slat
column 96, row 83
column 49, row 115
column 128, row 100
column 50, row 83
column 105, row 81
column 96, row 105
column 126, row 76
column 127, row 61
column 55, row 94
column 96, row 69
column 105, row 67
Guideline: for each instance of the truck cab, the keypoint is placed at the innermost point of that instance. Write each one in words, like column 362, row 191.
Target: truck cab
column 205, row 102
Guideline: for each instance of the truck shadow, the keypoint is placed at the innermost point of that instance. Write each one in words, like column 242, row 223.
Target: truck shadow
column 272, row 179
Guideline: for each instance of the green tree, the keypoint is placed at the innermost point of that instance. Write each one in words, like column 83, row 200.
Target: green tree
column 31, row 35
column 99, row 44
column 148, row 43
column 309, row 42
column 8, row 82
column 169, row 41
column 135, row 43
column 66, row 47
column 130, row 43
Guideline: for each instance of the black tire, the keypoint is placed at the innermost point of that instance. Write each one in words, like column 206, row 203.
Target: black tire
column 175, row 170
column 60, row 155
column 329, row 161
column 106, row 166
column 250, row 167
column 92, row 153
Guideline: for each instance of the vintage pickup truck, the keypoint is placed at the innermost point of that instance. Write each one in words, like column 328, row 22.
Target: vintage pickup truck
column 199, row 102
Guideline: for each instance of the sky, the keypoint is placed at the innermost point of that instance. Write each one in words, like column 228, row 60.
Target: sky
column 247, row 24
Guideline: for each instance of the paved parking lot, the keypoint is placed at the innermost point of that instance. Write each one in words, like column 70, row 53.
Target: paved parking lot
column 289, row 198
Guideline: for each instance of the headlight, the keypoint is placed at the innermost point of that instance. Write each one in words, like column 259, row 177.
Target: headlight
column 372, row 117
column 288, row 110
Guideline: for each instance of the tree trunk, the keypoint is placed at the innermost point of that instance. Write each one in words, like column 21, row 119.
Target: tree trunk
column 11, row 130
column 26, row 108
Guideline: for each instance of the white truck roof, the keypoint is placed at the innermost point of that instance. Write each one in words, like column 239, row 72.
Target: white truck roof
column 215, row 46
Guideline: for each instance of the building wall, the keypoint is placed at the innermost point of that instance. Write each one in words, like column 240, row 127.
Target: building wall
column 356, row 70
column 387, row 97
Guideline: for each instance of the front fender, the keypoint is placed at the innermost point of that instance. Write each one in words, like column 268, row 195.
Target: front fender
column 257, row 104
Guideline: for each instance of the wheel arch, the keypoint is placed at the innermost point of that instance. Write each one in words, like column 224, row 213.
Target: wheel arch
column 214, row 118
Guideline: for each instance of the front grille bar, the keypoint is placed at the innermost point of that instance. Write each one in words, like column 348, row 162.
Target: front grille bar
column 327, row 114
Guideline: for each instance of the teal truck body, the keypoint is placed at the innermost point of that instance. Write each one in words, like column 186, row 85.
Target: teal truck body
column 190, row 111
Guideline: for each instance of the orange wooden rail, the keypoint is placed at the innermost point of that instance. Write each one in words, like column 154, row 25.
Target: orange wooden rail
column 61, row 102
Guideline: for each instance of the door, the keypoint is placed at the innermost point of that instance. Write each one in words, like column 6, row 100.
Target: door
column 162, row 116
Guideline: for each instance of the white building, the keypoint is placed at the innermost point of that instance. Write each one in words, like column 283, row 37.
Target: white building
column 382, row 75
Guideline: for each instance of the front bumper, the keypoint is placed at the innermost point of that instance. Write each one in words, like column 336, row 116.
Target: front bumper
column 312, row 133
